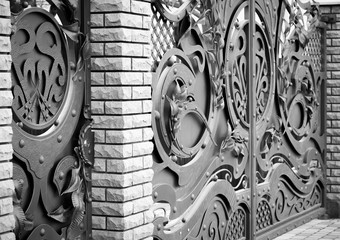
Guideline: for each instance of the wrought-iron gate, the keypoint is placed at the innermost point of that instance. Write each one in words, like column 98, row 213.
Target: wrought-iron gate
column 238, row 117
column 52, row 140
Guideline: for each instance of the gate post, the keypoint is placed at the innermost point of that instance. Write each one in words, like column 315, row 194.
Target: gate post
column 330, row 13
column 7, row 221
column 121, row 108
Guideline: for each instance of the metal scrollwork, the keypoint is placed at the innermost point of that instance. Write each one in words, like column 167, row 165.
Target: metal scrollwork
column 39, row 64
column 238, row 63
column 210, row 168
column 237, row 225
column 49, row 51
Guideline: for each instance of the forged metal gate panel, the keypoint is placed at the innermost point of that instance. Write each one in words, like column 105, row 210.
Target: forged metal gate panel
column 52, row 137
column 237, row 158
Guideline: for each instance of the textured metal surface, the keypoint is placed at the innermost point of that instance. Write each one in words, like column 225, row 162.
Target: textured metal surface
column 238, row 118
column 52, row 141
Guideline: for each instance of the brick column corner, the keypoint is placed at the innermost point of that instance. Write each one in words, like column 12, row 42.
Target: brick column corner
column 121, row 108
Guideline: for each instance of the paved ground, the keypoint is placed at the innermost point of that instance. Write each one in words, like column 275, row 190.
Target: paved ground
column 314, row 230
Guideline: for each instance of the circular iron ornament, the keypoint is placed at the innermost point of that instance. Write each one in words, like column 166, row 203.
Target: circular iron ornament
column 299, row 102
column 237, row 65
column 39, row 71
column 183, row 108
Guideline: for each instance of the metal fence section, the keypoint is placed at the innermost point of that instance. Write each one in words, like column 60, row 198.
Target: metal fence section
column 238, row 118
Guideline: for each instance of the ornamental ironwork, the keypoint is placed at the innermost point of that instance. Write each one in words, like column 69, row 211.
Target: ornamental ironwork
column 52, row 141
column 238, row 117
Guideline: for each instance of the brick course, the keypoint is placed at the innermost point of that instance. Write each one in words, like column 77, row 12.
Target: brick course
column 7, row 221
column 121, row 108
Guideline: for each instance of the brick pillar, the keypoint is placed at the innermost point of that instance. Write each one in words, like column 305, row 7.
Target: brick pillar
column 121, row 108
column 7, row 221
column 332, row 13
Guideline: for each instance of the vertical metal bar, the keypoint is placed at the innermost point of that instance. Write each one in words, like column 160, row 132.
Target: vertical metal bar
column 85, row 29
column 252, row 118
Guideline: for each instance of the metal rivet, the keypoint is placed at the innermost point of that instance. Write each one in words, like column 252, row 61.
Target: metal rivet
column 21, row 143
column 204, row 227
column 56, row 122
column 175, row 209
column 170, row 62
column 25, row 4
column 42, row 232
column 61, row 175
column 59, row 138
column 72, row 65
column 184, row 220
column 159, row 227
column 190, row 82
column 207, row 174
column 174, row 158
column 74, row 113
column 157, row 115
column 20, row 124
column 192, row 196
column 175, row 71
column 41, row 159
column 155, row 195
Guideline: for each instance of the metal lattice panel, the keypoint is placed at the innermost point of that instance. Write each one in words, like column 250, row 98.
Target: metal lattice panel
column 314, row 50
column 263, row 216
column 162, row 36
column 236, row 226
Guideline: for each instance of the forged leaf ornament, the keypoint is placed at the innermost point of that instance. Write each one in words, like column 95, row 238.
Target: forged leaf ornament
column 78, row 213
column 61, row 214
column 84, row 54
column 64, row 166
column 75, row 181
